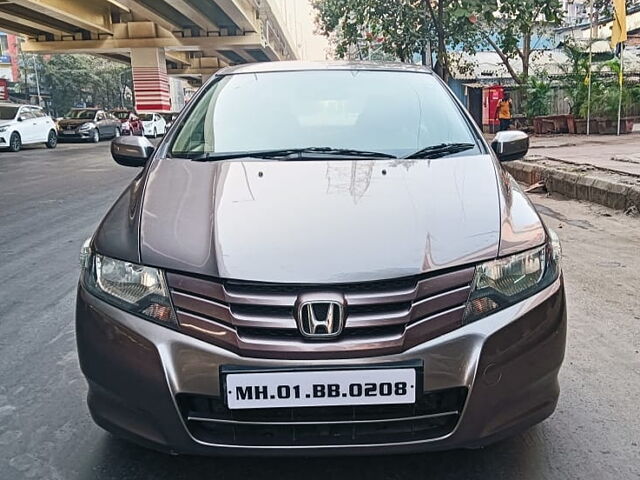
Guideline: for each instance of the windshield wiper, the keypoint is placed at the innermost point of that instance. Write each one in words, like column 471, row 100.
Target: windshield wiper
column 441, row 150
column 290, row 152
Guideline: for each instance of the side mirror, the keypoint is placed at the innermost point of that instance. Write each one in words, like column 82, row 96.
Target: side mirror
column 21, row 118
column 510, row 145
column 131, row 151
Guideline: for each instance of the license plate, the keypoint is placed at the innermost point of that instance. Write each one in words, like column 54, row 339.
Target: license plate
column 69, row 132
column 321, row 388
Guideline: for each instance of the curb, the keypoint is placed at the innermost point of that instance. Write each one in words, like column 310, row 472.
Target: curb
column 603, row 189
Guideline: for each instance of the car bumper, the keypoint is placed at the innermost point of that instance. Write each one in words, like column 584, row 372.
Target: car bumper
column 63, row 135
column 509, row 363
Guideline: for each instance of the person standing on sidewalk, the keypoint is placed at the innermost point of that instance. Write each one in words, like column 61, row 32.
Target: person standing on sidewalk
column 503, row 112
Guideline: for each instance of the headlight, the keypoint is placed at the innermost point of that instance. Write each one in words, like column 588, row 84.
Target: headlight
column 135, row 288
column 86, row 126
column 3, row 129
column 507, row 281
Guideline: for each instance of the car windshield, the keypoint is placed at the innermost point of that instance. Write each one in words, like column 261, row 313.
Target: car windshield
column 122, row 115
column 392, row 112
column 146, row 117
column 8, row 113
column 82, row 114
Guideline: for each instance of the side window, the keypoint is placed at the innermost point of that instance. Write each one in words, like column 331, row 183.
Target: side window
column 38, row 112
column 26, row 113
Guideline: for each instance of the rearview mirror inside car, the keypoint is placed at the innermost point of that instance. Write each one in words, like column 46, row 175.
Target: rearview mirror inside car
column 510, row 145
column 131, row 151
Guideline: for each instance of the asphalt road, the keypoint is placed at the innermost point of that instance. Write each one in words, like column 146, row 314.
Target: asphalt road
column 50, row 201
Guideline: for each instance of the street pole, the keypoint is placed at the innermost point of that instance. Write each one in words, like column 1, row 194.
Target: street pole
column 621, row 85
column 123, row 86
column 590, row 66
column 35, row 70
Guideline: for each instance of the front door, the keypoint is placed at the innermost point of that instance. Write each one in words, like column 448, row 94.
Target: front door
column 28, row 126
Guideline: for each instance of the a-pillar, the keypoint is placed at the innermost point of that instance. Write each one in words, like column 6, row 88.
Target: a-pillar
column 150, row 80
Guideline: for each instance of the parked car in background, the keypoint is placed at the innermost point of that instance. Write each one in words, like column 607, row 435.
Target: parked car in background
column 90, row 124
column 153, row 124
column 169, row 117
column 130, row 123
column 24, row 125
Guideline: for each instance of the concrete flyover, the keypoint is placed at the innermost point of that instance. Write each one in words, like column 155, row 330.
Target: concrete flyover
column 188, row 38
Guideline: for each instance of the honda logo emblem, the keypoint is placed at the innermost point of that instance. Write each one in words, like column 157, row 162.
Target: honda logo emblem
column 320, row 319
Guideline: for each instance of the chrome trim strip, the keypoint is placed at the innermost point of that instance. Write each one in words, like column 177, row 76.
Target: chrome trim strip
column 341, row 422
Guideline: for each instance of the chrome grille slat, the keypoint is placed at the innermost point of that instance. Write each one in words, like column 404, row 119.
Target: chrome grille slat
column 259, row 318
column 340, row 422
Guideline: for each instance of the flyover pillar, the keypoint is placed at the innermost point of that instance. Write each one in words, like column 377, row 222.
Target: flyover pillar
column 150, row 80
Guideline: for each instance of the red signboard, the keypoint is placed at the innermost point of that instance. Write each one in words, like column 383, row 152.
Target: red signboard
column 4, row 89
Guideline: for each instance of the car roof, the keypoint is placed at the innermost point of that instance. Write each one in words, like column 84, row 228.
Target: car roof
column 9, row 104
column 300, row 66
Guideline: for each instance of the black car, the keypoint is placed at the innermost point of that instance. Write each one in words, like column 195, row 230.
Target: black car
column 89, row 124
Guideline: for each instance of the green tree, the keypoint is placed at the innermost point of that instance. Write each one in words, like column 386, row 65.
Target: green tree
column 74, row 79
column 538, row 95
column 397, row 27
column 400, row 28
column 511, row 28
column 407, row 26
column 576, row 73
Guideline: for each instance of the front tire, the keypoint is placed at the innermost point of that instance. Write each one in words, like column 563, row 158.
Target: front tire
column 155, row 132
column 15, row 142
column 117, row 133
column 52, row 140
column 95, row 136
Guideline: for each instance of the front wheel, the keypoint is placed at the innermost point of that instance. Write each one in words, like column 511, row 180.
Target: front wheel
column 52, row 140
column 117, row 133
column 95, row 136
column 15, row 142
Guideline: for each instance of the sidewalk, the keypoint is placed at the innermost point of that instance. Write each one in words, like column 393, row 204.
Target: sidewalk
column 618, row 154
column 598, row 168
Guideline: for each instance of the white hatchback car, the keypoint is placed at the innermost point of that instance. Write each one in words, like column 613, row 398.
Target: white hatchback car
column 153, row 124
column 25, row 124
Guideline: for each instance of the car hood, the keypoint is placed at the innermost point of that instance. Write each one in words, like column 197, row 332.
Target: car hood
column 319, row 221
column 5, row 123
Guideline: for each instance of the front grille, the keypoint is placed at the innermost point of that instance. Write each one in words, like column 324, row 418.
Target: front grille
column 258, row 319
column 283, row 289
column 371, row 332
column 434, row 415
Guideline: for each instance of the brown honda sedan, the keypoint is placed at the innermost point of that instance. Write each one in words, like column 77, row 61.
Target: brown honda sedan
column 321, row 259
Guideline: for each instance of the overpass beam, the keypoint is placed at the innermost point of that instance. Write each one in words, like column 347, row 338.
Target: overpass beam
column 196, row 16
column 150, row 80
column 242, row 13
column 87, row 15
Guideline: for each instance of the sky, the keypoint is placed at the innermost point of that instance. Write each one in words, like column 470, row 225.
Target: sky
column 300, row 16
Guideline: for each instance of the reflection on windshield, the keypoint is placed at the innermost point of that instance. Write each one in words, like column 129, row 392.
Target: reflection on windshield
column 8, row 113
column 146, row 117
column 122, row 115
column 82, row 114
column 396, row 113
